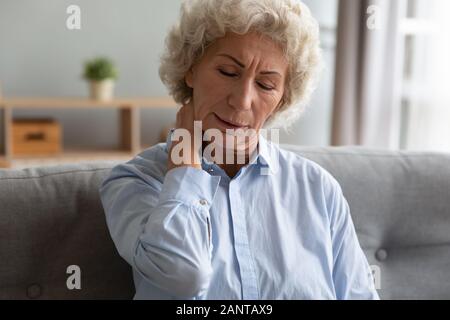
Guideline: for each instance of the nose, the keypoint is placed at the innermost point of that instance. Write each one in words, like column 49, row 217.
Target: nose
column 242, row 95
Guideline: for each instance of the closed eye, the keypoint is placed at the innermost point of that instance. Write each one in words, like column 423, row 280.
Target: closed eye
column 264, row 87
column 227, row 74
column 232, row 75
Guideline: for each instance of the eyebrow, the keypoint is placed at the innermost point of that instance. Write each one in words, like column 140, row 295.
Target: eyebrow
column 239, row 63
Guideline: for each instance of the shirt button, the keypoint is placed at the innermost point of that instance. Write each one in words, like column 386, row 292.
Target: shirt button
column 203, row 202
column 381, row 254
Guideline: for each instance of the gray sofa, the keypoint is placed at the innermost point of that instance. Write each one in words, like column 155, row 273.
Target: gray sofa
column 51, row 218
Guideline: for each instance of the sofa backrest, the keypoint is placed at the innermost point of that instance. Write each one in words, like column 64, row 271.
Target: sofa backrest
column 51, row 218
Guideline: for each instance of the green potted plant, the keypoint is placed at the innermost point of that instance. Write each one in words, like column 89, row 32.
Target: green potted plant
column 101, row 73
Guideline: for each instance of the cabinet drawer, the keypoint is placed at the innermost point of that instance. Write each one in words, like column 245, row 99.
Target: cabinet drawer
column 39, row 137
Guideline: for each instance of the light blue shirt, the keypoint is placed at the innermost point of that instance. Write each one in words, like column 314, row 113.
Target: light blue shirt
column 280, row 229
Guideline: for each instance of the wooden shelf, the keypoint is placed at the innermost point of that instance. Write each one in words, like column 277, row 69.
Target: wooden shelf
column 70, row 156
column 129, row 125
column 4, row 163
column 78, row 153
column 42, row 103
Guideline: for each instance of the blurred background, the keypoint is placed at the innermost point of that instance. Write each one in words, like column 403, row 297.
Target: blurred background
column 384, row 85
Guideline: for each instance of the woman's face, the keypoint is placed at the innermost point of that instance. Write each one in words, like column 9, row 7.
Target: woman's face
column 238, row 83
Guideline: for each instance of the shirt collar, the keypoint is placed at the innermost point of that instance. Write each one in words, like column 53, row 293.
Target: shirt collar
column 266, row 152
column 264, row 155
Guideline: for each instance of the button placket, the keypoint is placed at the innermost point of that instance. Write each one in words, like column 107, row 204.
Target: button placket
column 242, row 248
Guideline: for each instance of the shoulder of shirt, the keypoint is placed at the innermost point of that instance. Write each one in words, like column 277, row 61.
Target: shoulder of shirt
column 150, row 163
column 306, row 168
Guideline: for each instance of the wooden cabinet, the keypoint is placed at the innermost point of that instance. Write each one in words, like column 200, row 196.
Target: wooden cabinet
column 36, row 137
column 129, row 123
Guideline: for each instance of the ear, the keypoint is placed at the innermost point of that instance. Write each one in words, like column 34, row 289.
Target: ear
column 188, row 78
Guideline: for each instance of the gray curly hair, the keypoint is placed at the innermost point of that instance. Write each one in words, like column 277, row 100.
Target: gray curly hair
column 287, row 22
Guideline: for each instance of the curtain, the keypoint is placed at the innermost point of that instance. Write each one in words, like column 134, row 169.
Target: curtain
column 366, row 107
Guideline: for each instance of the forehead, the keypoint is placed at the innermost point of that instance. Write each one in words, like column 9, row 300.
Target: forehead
column 248, row 47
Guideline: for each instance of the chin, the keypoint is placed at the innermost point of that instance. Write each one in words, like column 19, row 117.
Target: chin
column 236, row 143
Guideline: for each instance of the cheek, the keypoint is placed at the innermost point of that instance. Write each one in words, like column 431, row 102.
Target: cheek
column 267, row 108
column 207, row 94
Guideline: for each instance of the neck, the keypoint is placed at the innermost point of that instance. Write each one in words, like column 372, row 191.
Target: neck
column 233, row 168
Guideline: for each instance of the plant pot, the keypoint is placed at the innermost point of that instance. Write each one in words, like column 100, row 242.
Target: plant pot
column 102, row 90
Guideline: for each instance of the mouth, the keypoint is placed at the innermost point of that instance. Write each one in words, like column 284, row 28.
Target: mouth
column 228, row 124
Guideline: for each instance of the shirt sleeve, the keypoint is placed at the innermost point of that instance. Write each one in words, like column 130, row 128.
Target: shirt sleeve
column 162, row 229
column 352, row 275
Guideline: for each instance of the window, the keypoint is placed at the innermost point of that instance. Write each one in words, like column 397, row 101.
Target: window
column 425, row 94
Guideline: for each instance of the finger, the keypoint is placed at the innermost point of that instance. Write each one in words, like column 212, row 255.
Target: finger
column 178, row 119
column 191, row 109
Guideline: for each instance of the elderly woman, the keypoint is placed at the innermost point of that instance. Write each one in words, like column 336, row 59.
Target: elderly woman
column 273, row 226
